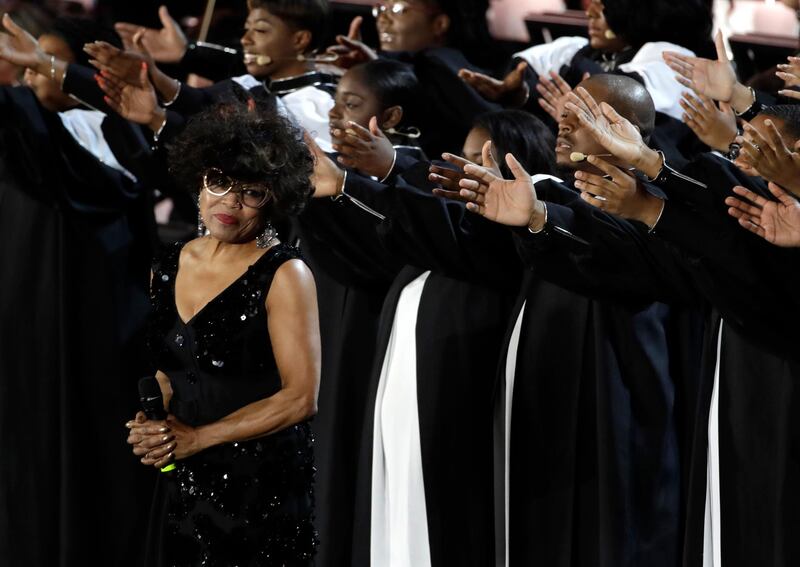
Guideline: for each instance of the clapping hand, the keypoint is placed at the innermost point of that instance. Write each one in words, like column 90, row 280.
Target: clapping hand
column 131, row 101
column 768, row 154
column 777, row 222
column 449, row 178
column 716, row 127
column 167, row 45
column 126, row 64
column 367, row 150
column 511, row 92
column 350, row 49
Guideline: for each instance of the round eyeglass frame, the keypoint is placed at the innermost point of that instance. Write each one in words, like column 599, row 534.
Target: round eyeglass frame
column 207, row 187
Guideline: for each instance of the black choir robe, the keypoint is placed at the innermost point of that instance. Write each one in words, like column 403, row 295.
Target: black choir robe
column 350, row 302
column 593, row 426
column 73, row 298
column 454, row 379
column 758, row 366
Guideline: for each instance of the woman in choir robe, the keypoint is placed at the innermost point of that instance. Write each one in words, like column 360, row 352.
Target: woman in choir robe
column 350, row 304
column 73, row 298
column 437, row 37
column 426, row 472
column 575, row 426
column 742, row 498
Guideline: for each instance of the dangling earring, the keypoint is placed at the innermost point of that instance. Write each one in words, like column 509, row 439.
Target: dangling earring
column 201, row 226
column 266, row 238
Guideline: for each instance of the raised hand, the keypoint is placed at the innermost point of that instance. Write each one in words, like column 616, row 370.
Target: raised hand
column 167, row 45
column 768, row 154
column 328, row 178
column 509, row 202
column 618, row 192
column 790, row 73
column 350, row 49
column 715, row 79
column 554, row 93
column 449, row 179
column 135, row 103
column 716, row 127
column 511, row 92
column 776, row 222
column 367, row 150
column 125, row 65
column 621, row 138
column 21, row 48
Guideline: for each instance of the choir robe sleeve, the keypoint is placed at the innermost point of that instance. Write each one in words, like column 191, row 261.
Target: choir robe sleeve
column 601, row 256
column 434, row 233
column 618, row 257
column 347, row 242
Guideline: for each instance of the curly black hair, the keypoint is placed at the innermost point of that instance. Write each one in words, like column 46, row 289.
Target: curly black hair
column 248, row 143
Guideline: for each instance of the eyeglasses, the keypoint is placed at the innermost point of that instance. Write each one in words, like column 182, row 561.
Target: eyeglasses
column 250, row 195
column 398, row 9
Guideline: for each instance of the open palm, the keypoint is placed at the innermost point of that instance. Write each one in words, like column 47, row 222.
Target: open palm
column 509, row 202
column 777, row 222
column 714, row 79
column 615, row 133
column 20, row 47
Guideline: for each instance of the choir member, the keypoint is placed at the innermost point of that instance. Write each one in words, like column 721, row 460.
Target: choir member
column 741, row 483
column 74, row 299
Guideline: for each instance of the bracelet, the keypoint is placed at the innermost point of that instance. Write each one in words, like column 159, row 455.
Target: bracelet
column 544, row 224
column 660, row 171
column 340, row 189
column 753, row 109
column 391, row 169
column 157, row 133
column 53, row 68
column 650, row 229
column 177, row 94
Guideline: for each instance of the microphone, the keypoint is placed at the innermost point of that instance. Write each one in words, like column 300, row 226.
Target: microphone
column 153, row 405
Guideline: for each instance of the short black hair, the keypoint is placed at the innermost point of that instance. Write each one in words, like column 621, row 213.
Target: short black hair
column 687, row 23
column 789, row 114
column 394, row 84
column 629, row 98
column 248, row 143
column 310, row 15
column 524, row 136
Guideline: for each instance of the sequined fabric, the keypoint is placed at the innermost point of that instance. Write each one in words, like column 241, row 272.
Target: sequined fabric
column 248, row 503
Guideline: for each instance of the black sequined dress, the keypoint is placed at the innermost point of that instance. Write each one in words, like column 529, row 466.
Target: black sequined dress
column 248, row 503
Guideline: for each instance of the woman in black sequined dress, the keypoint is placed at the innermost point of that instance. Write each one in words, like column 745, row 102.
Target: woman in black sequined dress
column 235, row 340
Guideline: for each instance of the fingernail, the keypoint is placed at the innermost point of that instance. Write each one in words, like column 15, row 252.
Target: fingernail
column 445, row 156
column 165, row 438
column 163, row 430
